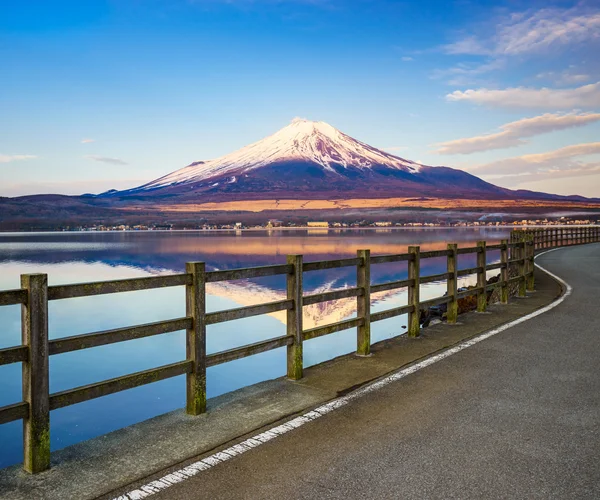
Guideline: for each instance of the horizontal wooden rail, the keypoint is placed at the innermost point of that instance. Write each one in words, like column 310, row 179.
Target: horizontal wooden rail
column 387, row 259
column 96, row 339
column 435, row 302
column 12, row 297
column 330, row 264
column 58, row 292
column 492, row 267
column 434, row 253
column 391, row 313
column 247, row 273
column 313, row 333
column 434, row 277
column 466, row 272
column 14, row 355
column 248, row 350
column 118, row 384
column 391, row 285
column 14, row 412
column 465, row 250
column 499, row 246
column 469, row 292
column 344, row 293
column 248, row 311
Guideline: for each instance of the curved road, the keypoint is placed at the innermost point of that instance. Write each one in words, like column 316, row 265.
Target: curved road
column 514, row 416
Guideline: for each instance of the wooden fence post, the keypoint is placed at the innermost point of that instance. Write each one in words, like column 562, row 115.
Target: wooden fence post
column 522, row 269
column 481, row 276
column 414, row 316
column 35, row 374
column 504, row 272
column 294, row 318
column 452, row 284
column 530, row 253
column 363, row 302
column 195, row 305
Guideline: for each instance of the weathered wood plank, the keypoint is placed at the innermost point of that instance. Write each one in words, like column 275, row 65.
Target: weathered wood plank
column 414, row 273
column 95, row 339
column 248, row 311
column 248, row 350
column 465, row 250
column 35, row 378
column 434, row 277
column 468, row 293
column 118, row 384
column 247, row 273
column 435, row 301
column 12, row 297
column 14, row 412
column 335, row 327
column 58, row 292
column 195, row 339
column 391, row 285
column 495, row 247
column 481, row 276
column 15, row 354
column 491, row 267
column 363, row 303
column 294, row 316
column 434, row 253
column 466, row 272
column 391, row 313
column 386, row 259
column 329, row 264
column 344, row 293
column 451, row 284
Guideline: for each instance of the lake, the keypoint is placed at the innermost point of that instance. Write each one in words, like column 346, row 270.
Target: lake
column 89, row 256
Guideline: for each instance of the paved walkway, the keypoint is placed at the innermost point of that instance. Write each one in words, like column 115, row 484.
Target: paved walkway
column 514, row 416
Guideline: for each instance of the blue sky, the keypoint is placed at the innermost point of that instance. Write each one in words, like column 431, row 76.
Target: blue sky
column 97, row 95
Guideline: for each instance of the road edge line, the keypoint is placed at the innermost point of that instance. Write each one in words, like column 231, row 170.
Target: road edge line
column 211, row 461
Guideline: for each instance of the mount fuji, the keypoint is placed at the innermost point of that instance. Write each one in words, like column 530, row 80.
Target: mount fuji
column 312, row 160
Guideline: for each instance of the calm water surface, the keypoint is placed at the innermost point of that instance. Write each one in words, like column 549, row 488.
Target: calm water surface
column 81, row 257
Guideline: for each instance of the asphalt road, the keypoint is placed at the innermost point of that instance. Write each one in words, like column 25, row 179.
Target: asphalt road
column 514, row 416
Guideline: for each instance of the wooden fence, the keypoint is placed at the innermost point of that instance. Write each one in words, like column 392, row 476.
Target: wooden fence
column 36, row 348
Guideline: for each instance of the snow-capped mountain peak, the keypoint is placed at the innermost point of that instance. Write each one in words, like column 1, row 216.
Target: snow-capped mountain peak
column 301, row 141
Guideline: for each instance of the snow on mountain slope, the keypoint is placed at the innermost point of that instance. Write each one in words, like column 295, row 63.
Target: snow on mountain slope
column 303, row 141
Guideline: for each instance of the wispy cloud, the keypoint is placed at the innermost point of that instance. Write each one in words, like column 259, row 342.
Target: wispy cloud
column 532, row 32
column 9, row 158
column 512, row 133
column 106, row 159
column 407, row 58
column 87, row 141
column 586, row 96
column 559, row 163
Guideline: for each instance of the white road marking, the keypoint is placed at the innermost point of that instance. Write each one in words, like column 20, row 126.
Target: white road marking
column 207, row 463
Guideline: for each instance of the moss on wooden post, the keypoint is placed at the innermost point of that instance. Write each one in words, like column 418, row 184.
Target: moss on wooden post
column 530, row 252
column 363, row 280
column 35, row 380
column 414, row 329
column 522, row 265
column 196, row 338
column 452, row 283
column 481, row 276
column 504, row 272
column 294, row 318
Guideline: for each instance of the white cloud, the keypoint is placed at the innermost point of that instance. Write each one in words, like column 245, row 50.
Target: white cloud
column 407, row 58
column 533, row 32
column 512, row 133
column 9, row 158
column 562, row 162
column 586, row 96
column 87, row 141
column 106, row 159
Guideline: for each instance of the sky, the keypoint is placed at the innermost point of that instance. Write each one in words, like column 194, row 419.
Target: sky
column 98, row 95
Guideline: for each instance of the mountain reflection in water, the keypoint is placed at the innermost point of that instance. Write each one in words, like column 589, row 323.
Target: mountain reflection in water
column 81, row 257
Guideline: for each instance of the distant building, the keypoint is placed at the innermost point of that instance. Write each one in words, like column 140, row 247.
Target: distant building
column 274, row 223
column 383, row 224
column 317, row 224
